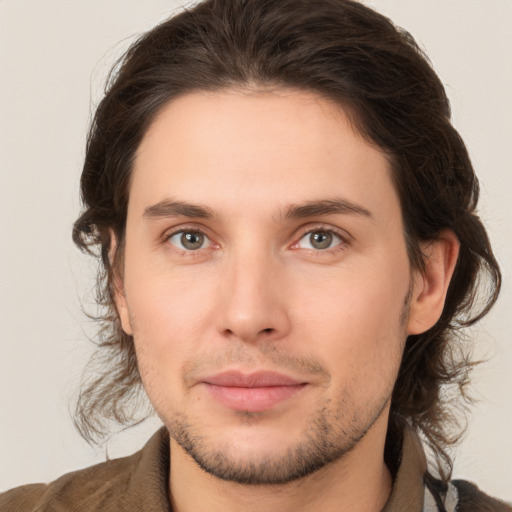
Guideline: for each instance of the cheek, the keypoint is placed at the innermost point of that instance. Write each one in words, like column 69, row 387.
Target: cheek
column 172, row 312
column 167, row 301
column 168, row 315
column 354, row 318
column 165, row 337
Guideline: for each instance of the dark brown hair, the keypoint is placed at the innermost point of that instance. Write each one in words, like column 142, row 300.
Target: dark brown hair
column 354, row 56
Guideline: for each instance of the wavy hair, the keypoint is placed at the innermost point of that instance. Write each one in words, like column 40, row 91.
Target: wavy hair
column 356, row 57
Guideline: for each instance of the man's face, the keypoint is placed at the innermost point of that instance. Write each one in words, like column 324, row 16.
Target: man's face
column 266, row 281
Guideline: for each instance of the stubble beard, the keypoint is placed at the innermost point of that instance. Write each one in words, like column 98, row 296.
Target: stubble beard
column 328, row 437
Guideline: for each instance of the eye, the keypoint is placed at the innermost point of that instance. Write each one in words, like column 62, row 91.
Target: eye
column 189, row 240
column 319, row 240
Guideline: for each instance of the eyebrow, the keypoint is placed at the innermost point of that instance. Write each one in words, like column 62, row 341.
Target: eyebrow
column 170, row 208
column 326, row 207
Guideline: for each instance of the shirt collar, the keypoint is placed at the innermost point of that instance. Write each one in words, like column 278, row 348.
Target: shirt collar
column 408, row 486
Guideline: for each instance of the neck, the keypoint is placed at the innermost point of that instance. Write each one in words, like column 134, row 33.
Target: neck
column 359, row 481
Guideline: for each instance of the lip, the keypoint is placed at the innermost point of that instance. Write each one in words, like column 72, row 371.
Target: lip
column 258, row 379
column 253, row 392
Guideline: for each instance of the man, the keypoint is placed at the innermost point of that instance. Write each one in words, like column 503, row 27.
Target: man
column 286, row 220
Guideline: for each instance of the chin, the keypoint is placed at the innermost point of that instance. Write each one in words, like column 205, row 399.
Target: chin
column 254, row 454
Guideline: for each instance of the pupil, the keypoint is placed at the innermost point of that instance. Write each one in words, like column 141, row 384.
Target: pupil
column 321, row 240
column 192, row 240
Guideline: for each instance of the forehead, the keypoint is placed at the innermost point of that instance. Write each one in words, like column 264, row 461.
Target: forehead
column 238, row 149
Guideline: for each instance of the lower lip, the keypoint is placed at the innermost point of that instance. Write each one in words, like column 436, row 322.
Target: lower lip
column 253, row 399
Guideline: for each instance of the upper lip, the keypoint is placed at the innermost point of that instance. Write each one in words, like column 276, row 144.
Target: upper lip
column 257, row 379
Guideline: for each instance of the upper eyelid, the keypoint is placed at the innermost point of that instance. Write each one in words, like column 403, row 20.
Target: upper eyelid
column 343, row 234
column 185, row 228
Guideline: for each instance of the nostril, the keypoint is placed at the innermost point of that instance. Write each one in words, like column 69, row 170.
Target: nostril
column 269, row 330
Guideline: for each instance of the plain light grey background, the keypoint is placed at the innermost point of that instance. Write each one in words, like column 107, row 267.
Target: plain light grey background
column 54, row 55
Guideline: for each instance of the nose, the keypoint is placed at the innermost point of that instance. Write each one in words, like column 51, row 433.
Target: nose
column 252, row 300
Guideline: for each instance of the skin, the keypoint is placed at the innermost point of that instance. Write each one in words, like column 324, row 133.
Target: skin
column 258, row 291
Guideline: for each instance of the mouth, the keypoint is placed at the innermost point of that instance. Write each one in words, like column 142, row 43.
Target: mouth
column 252, row 392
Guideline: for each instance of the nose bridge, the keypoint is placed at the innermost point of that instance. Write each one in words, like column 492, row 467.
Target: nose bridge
column 253, row 303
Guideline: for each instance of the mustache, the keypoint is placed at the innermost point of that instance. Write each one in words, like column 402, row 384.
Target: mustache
column 261, row 357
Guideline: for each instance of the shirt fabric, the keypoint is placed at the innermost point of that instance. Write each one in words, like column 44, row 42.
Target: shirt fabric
column 139, row 483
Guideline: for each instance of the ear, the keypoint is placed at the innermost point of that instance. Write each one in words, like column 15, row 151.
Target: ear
column 118, row 287
column 431, row 285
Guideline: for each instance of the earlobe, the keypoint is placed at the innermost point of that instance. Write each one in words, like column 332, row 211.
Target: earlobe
column 118, row 287
column 431, row 285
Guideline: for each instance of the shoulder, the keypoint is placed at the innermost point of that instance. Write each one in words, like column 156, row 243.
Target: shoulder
column 472, row 499
column 83, row 490
column 129, row 484
column 23, row 498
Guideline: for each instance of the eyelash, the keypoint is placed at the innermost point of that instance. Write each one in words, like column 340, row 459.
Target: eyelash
column 344, row 240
